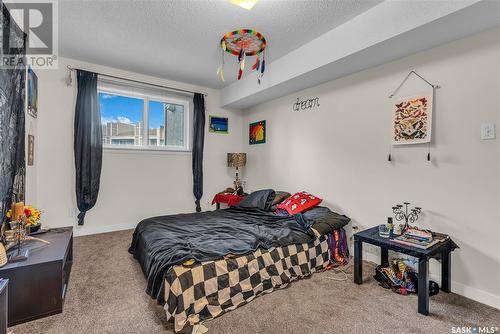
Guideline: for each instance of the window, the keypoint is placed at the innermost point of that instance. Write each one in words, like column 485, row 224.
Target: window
column 166, row 124
column 125, row 111
column 121, row 119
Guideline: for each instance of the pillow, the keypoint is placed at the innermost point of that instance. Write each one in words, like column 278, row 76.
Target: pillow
column 328, row 222
column 280, row 197
column 260, row 199
column 299, row 202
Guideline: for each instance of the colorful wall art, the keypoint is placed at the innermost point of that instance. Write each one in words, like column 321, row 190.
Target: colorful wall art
column 32, row 93
column 412, row 118
column 218, row 124
column 257, row 133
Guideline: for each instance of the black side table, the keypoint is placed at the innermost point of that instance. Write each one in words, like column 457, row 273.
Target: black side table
column 440, row 251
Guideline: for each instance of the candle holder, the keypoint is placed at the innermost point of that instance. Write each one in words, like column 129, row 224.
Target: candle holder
column 19, row 254
column 409, row 217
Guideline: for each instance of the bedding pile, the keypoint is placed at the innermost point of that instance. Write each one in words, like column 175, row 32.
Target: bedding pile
column 159, row 243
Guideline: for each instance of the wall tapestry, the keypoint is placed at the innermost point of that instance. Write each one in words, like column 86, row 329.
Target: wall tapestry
column 218, row 124
column 412, row 119
column 257, row 133
column 32, row 93
column 12, row 111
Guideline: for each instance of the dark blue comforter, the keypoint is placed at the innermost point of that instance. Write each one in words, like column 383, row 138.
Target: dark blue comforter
column 161, row 242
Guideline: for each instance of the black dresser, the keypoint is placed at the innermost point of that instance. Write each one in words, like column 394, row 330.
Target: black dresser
column 4, row 283
column 37, row 286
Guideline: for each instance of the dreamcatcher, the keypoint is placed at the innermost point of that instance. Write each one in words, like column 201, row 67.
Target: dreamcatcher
column 244, row 43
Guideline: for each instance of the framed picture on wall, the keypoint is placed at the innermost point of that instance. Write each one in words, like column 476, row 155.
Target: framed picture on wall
column 31, row 150
column 257, row 133
column 218, row 124
column 32, row 93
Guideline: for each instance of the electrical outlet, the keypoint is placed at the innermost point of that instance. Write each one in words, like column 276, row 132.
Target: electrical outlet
column 487, row 131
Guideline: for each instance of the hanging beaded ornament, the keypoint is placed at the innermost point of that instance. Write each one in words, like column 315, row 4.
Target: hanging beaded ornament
column 244, row 43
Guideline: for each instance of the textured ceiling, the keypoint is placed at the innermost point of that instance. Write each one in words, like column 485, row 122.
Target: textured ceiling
column 179, row 39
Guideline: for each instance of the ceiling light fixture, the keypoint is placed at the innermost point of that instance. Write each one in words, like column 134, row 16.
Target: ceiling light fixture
column 247, row 4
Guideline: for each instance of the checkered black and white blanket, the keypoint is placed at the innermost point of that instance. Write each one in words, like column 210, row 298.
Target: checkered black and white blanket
column 208, row 289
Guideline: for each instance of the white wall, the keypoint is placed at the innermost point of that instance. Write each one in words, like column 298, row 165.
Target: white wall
column 339, row 152
column 134, row 185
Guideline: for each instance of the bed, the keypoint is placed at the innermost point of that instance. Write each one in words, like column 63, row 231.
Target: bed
column 201, row 265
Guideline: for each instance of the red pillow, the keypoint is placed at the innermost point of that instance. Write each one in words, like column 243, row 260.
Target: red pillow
column 299, row 202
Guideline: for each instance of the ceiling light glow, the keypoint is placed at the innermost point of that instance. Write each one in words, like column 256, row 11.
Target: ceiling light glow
column 247, row 4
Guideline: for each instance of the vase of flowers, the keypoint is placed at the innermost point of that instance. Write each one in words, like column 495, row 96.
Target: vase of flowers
column 32, row 222
column 32, row 219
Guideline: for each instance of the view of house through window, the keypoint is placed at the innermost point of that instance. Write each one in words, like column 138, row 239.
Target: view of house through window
column 166, row 124
column 123, row 118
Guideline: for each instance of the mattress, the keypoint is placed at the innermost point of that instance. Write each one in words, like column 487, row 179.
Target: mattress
column 211, row 288
column 161, row 242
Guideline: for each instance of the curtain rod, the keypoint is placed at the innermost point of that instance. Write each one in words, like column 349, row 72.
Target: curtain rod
column 140, row 82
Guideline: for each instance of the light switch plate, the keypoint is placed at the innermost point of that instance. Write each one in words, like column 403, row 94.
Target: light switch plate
column 487, row 131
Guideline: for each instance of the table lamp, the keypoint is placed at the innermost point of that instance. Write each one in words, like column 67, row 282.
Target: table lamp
column 237, row 160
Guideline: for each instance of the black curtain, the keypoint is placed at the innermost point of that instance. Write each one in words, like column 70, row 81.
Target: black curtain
column 88, row 143
column 12, row 104
column 198, row 140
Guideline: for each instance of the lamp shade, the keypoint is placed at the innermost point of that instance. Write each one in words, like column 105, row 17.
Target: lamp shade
column 236, row 159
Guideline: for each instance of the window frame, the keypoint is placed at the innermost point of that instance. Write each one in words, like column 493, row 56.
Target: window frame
column 103, row 87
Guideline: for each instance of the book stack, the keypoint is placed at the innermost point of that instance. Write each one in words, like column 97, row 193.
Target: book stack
column 420, row 238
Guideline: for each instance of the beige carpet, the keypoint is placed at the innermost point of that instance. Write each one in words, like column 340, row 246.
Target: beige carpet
column 106, row 295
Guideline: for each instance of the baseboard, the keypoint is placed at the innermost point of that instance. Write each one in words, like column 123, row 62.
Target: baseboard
column 456, row 287
column 86, row 230
column 472, row 293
